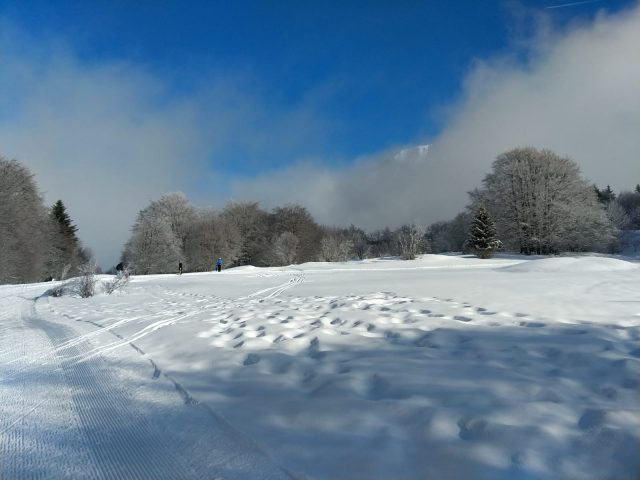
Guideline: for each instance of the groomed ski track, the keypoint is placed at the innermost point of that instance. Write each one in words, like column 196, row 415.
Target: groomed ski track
column 68, row 412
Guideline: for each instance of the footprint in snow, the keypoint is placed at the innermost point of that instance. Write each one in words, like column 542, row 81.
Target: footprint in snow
column 533, row 324
column 314, row 349
column 251, row 359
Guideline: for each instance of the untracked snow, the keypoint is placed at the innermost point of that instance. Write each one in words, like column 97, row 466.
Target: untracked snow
column 443, row 367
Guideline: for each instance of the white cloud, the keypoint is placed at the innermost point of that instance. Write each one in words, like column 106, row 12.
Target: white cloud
column 578, row 95
column 108, row 136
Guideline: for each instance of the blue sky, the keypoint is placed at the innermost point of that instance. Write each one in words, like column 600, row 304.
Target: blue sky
column 375, row 73
column 301, row 101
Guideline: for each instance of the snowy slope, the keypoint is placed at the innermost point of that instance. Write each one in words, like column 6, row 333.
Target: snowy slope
column 443, row 367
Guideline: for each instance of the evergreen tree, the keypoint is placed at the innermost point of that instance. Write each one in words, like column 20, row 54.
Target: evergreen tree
column 638, row 188
column 59, row 213
column 482, row 235
column 606, row 195
column 64, row 245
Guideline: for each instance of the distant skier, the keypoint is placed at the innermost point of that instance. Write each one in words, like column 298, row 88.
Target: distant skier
column 180, row 268
column 219, row 265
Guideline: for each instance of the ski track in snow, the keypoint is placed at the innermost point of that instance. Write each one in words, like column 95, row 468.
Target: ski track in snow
column 67, row 413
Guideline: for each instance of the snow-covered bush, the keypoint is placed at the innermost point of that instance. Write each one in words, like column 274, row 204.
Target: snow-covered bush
column 86, row 282
column 118, row 283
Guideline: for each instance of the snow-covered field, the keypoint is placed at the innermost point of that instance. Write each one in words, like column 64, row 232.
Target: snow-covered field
column 445, row 367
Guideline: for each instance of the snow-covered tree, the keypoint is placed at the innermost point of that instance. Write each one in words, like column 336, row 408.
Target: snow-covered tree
column 285, row 249
column 359, row 242
column 618, row 216
column 24, row 227
column 210, row 237
column 152, row 248
column 336, row 247
column 253, row 225
column 383, row 243
column 411, row 239
column 297, row 220
column 176, row 211
column 482, row 235
column 542, row 205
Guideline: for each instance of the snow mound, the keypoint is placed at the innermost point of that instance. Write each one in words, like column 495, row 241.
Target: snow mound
column 573, row 265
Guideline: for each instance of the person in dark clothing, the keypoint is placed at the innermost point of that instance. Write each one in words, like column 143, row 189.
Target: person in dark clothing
column 180, row 268
column 219, row 265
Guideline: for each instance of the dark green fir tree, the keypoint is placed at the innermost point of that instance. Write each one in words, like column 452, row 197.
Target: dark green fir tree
column 63, row 252
column 482, row 235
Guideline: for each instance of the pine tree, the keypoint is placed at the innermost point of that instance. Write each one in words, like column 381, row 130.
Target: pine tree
column 638, row 188
column 59, row 213
column 64, row 244
column 609, row 195
column 606, row 195
column 482, row 235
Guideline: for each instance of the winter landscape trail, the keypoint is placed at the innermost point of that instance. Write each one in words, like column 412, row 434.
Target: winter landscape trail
column 444, row 367
column 68, row 411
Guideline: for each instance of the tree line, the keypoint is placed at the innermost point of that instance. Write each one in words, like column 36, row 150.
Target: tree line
column 542, row 205
column 170, row 231
column 533, row 202
column 37, row 242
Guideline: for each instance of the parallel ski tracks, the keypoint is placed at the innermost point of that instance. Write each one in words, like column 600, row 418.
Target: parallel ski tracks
column 64, row 413
column 122, row 441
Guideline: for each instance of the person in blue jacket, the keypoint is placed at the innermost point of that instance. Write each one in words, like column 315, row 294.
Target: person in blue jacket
column 219, row 265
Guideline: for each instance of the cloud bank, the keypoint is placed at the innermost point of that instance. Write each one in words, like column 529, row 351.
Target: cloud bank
column 108, row 136
column 578, row 94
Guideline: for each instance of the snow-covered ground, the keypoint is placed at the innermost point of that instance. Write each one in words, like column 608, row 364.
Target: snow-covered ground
column 443, row 367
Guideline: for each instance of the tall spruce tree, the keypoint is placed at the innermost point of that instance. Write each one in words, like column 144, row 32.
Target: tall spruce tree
column 64, row 244
column 482, row 235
